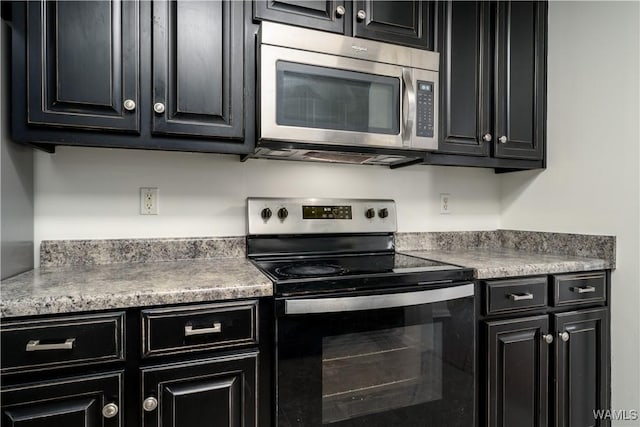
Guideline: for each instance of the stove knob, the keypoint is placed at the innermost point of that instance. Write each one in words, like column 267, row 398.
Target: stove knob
column 283, row 213
column 383, row 213
column 265, row 214
column 370, row 213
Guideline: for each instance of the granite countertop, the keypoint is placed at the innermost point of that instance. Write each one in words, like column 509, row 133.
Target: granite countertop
column 85, row 275
column 505, row 262
column 115, row 286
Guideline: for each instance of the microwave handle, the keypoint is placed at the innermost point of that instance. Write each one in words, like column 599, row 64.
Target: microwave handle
column 375, row 302
column 409, row 98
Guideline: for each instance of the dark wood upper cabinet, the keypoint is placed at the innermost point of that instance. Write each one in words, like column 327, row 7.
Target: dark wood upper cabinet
column 465, row 83
column 493, row 78
column 197, row 68
column 408, row 23
column 83, row 64
column 520, row 79
column 517, row 372
column 581, row 367
column 326, row 15
column 174, row 75
column 400, row 22
column 71, row 402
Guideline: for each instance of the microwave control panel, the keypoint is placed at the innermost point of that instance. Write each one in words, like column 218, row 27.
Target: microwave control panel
column 424, row 109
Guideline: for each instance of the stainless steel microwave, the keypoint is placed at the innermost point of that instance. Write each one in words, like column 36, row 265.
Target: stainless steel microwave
column 327, row 90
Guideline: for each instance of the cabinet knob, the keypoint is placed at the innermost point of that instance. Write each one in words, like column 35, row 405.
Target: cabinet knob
column 158, row 107
column 110, row 410
column 548, row 338
column 564, row 336
column 487, row 137
column 129, row 104
column 340, row 10
column 502, row 139
column 362, row 14
column 150, row 404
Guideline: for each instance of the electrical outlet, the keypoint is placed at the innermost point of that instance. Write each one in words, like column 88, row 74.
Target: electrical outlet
column 149, row 201
column 445, row 203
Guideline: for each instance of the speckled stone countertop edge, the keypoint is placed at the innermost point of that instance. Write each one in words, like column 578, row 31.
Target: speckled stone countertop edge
column 504, row 262
column 542, row 269
column 77, row 304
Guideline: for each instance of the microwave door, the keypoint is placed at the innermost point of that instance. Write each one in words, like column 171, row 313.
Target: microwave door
column 325, row 99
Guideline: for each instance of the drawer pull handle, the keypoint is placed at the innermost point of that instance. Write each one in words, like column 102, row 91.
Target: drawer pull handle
column 564, row 336
column 583, row 289
column 521, row 297
column 216, row 329
column 548, row 338
column 34, row 345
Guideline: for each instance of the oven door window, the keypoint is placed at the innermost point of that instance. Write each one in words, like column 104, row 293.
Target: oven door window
column 371, row 372
column 328, row 98
column 408, row 366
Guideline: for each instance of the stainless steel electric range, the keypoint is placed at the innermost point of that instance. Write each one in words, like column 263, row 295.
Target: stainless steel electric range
column 364, row 336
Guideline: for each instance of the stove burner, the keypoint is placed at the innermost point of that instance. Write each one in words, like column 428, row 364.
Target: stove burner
column 309, row 270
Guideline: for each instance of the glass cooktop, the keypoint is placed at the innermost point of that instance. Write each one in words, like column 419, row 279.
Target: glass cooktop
column 347, row 266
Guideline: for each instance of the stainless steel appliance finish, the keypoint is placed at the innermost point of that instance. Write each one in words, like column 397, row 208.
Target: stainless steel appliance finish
column 286, row 216
column 364, row 335
column 331, row 90
column 375, row 302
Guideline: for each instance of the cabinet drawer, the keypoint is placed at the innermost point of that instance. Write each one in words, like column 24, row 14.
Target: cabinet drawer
column 199, row 327
column 69, row 341
column 504, row 296
column 582, row 288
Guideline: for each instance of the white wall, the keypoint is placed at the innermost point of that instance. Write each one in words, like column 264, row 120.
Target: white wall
column 85, row 193
column 592, row 184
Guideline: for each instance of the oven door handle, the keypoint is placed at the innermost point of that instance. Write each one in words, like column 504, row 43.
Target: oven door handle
column 374, row 302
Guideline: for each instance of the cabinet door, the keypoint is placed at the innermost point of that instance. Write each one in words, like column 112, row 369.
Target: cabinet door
column 315, row 14
column 408, row 23
column 198, row 75
column 207, row 393
column 520, row 79
column 465, row 76
column 581, row 368
column 83, row 64
column 73, row 402
column 517, row 372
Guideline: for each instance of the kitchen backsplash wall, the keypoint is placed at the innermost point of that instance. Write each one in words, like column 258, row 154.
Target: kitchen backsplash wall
column 89, row 193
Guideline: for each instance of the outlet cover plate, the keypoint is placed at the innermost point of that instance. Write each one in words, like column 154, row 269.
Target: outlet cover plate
column 149, row 201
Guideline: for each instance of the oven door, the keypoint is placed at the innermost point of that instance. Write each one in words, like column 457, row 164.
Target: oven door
column 377, row 360
column 312, row 97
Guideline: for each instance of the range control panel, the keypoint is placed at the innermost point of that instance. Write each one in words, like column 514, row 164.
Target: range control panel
column 314, row 216
column 424, row 109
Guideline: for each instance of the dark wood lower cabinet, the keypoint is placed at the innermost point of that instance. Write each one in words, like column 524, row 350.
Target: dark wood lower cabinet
column 218, row 392
column 581, row 368
column 87, row 401
column 208, row 379
column 552, row 367
column 517, row 370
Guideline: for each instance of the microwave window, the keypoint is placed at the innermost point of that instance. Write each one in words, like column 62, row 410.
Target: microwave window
column 327, row 98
